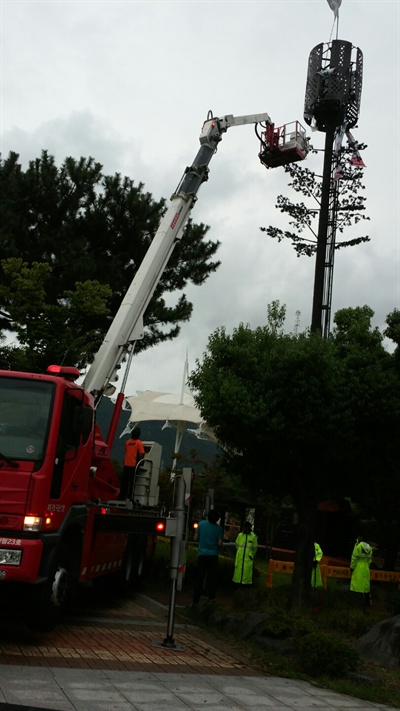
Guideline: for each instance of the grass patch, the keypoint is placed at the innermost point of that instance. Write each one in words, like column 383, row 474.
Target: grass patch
column 323, row 640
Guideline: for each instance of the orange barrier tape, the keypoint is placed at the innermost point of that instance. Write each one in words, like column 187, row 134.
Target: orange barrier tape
column 278, row 566
column 386, row 576
column 327, row 571
column 331, row 571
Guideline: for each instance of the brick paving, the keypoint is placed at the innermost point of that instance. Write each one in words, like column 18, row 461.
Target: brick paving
column 124, row 637
column 108, row 658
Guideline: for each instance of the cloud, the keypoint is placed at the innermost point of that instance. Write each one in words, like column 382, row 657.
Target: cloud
column 80, row 133
column 130, row 84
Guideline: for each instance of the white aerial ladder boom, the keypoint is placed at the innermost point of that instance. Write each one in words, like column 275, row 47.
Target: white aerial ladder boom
column 127, row 325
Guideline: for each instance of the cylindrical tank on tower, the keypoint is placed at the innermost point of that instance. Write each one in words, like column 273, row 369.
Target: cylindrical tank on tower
column 333, row 89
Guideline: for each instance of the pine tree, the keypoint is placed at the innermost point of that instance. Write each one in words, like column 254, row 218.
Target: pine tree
column 71, row 242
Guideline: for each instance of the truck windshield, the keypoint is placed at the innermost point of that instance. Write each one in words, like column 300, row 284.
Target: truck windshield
column 25, row 407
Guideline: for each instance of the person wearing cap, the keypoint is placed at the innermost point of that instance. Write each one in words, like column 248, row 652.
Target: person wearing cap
column 134, row 452
column 246, row 548
column 360, row 569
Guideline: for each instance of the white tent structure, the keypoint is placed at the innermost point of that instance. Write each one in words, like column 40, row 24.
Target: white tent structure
column 173, row 409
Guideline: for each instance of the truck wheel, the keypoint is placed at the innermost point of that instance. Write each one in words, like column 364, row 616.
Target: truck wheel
column 129, row 574
column 50, row 599
column 133, row 563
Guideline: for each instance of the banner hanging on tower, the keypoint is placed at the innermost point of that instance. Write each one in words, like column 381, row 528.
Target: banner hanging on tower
column 334, row 5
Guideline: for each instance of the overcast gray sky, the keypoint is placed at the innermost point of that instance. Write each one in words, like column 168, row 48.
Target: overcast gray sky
column 130, row 83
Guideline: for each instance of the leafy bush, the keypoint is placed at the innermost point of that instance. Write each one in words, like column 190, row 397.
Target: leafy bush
column 325, row 653
column 303, row 626
column 279, row 623
column 350, row 622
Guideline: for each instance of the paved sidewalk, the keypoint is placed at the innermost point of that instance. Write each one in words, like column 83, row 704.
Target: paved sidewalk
column 116, row 662
column 104, row 690
column 128, row 638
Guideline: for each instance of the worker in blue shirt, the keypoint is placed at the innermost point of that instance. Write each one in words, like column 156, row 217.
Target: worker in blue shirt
column 210, row 537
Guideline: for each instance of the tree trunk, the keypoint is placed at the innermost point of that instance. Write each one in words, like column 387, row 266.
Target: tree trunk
column 391, row 556
column 300, row 597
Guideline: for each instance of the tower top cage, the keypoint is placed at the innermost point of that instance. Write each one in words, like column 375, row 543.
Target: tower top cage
column 334, row 82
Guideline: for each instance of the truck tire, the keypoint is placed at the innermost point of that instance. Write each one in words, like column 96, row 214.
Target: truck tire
column 133, row 563
column 49, row 600
column 130, row 573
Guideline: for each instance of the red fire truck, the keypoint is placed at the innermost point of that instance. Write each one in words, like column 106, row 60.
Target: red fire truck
column 61, row 520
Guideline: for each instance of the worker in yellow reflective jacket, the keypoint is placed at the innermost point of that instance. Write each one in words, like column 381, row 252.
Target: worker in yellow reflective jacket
column 361, row 560
column 246, row 547
column 316, row 577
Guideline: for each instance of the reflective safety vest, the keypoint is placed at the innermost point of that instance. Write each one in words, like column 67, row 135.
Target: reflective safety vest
column 246, row 547
column 360, row 561
column 316, row 577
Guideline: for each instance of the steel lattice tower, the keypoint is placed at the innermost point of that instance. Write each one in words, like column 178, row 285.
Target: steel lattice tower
column 332, row 101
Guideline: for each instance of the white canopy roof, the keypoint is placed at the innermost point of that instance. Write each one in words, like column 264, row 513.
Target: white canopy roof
column 175, row 410
column 152, row 405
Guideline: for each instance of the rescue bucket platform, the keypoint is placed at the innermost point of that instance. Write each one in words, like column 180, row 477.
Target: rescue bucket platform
column 283, row 145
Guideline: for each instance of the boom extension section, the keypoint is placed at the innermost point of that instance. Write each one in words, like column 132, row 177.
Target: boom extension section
column 127, row 326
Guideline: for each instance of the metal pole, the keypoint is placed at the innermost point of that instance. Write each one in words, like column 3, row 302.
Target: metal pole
column 187, row 474
column 318, row 297
column 175, row 557
column 330, row 260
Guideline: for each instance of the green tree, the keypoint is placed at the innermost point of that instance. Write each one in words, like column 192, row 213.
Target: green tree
column 303, row 215
column 295, row 406
column 393, row 332
column 371, row 387
column 74, row 228
column 47, row 332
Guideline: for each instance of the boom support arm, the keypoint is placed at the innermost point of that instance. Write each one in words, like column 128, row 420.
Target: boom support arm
column 127, row 325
